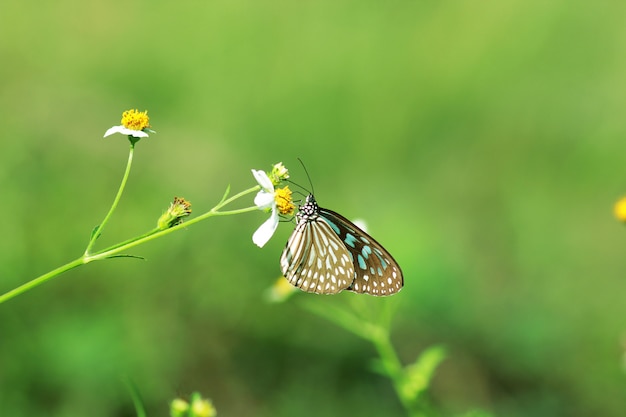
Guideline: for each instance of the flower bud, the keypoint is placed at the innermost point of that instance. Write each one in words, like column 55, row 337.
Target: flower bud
column 174, row 215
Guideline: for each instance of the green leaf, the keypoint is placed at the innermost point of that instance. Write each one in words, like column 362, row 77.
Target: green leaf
column 341, row 317
column 418, row 375
column 126, row 256
column 94, row 233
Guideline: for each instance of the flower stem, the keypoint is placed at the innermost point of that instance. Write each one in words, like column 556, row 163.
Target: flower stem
column 41, row 279
column 98, row 230
column 376, row 331
column 393, row 367
column 118, row 248
column 140, row 409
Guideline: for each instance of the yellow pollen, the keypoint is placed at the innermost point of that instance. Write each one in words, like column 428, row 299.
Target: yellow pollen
column 135, row 120
column 282, row 196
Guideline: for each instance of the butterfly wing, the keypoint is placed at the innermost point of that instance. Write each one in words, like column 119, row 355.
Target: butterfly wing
column 315, row 259
column 375, row 270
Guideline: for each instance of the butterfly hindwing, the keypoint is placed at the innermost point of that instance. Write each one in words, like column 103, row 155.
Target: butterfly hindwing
column 375, row 270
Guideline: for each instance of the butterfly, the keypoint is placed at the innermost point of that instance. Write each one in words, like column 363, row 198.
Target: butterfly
column 327, row 253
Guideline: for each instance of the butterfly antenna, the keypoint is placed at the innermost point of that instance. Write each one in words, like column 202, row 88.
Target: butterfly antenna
column 299, row 186
column 307, row 175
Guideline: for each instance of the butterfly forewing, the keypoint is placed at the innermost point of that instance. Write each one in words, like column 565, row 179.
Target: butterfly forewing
column 315, row 259
column 375, row 270
column 327, row 253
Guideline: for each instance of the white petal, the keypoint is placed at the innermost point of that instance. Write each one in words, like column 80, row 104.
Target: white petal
column 263, row 180
column 124, row 131
column 264, row 200
column 114, row 129
column 137, row 133
column 266, row 230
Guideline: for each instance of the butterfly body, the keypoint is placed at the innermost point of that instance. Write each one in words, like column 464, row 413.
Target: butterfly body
column 327, row 254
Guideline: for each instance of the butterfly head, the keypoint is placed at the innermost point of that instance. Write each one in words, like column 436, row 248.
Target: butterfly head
column 309, row 208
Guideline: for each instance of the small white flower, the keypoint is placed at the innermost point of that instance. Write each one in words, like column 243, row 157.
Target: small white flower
column 134, row 123
column 125, row 131
column 265, row 200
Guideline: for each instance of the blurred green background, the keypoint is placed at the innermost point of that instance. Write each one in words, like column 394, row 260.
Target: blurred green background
column 483, row 142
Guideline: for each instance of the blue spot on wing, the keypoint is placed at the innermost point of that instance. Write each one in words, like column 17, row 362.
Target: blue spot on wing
column 380, row 256
column 349, row 240
column 331, row 224
column 361, row 261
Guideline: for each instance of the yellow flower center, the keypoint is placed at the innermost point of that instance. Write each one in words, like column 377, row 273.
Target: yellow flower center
column 135, row 120
column 282, row 196
column 620, row 209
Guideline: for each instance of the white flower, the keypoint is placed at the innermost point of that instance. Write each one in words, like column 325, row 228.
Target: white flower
column 265, row 200
column 134, row 123
column 125, row 131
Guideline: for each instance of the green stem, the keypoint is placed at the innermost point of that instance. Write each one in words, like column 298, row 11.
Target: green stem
column 98, row 230
column 120, row 247
column 157, row 233
column 376, row 333
column 41, row 279
column 380, row 339
column 391, row 362
column 140, row 410
column 393, row 367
